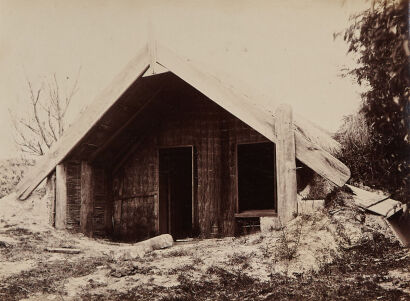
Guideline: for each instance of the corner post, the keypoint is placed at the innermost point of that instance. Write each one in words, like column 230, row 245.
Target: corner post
column 87, row 199
column 61, row 196
column 51, row 197
column 285, row 164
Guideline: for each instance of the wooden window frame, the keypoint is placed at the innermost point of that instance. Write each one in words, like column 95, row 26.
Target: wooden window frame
column 256, row 212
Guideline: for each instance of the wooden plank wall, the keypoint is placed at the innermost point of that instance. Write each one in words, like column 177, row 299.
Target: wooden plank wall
column 135, row 190
column 73, row 195
column 99, row 198
column 87, row 198
column 214, row 134
column 101, row 201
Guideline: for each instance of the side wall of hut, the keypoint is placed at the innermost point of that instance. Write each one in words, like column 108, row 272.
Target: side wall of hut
column 70, row 217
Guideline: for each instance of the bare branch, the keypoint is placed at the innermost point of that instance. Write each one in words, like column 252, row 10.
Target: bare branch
column 50, row 126
column 29, row 126
column 73, row 91
column 44, row 123
column 40, row 125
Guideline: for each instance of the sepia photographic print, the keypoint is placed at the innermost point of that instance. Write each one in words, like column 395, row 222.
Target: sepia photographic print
column 204, row 150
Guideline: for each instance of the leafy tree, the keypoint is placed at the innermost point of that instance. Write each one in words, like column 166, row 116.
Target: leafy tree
column 379, row 38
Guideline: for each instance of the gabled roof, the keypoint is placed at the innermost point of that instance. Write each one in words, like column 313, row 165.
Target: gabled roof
column 313, row 145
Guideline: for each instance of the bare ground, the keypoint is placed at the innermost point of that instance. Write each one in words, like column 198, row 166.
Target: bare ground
column 339, row 254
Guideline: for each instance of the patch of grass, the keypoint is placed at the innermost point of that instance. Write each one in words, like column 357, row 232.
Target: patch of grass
column 45, row 278
column 177, row 253
column 288, row 243
column 227, row 278
column 18, row 231
column 196, row 260
column 258, row 240
column 239, row 260
column 123, row 269
column 182, row 269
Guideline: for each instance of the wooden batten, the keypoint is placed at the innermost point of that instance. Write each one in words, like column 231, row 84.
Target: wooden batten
column 285, row 164
column 87, row 199
column 61, row 196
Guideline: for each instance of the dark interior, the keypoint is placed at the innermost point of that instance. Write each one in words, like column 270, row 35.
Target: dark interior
column 175, row 191
column 256, row 176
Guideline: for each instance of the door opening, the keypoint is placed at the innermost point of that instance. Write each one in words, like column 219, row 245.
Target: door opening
column 256, row 178
column 175, row 191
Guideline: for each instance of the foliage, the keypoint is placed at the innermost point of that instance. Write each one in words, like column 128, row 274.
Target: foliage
column 357, row 150
column 11, row 172
column 377, row 142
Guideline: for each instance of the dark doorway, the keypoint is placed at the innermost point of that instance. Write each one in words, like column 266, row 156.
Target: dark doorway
column 175, row 191
column 256, row 177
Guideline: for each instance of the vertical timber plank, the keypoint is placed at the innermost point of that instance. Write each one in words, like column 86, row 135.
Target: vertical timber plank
column 109, row 206
column 285, row 164
column 61, row 196
column 87, row 202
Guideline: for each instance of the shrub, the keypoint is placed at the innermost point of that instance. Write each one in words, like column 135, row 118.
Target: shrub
column 378, row 148
column 370, row 165
column 11, row 172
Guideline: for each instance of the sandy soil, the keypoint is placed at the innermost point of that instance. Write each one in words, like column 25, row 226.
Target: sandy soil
column 340, row 253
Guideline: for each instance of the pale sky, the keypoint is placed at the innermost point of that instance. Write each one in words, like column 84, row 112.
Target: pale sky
column 283, row 48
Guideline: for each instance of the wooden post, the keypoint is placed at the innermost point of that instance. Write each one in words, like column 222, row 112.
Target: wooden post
column 285, row 164
column 61, row 196
column 87, row 199
column 51, row 197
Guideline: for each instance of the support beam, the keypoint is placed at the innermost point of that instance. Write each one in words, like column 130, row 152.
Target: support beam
column 87, row 199
column 51, row 197
column 61, row 196
column 285, row 164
